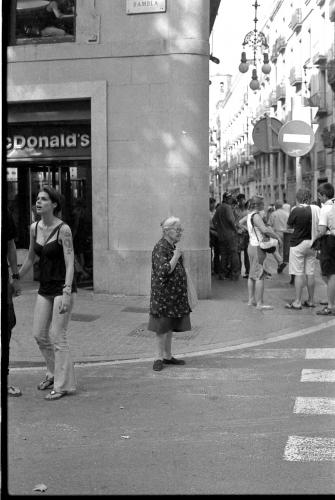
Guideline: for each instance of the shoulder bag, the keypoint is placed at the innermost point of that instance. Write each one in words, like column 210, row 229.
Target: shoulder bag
column 191, row 291
column 268, row 245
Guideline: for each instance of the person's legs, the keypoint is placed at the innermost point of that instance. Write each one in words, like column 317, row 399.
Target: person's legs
column 41, row 324
column 64, row 376
column 259, row 292
column 167, row 345
column 234, row 257
column 299, row 283
column 240, row 260
column 246, row 261
column 280, row 243
column 278, row 258
column 216, row 257
column 251, row 292
column 331, row 292
column 310, row 259
column 224, row 257
column 161, row 339
column 310, row 281
column 12, row 390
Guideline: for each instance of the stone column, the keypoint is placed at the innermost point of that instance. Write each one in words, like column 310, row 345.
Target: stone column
column 158, row 151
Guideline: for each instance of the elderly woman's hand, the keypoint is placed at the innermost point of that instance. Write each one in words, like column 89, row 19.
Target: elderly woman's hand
column 177, row 253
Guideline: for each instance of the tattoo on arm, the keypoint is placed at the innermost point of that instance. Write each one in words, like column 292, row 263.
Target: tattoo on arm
column 67, row 241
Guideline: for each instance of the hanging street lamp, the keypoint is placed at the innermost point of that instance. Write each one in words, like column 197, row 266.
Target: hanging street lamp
column 255, row 39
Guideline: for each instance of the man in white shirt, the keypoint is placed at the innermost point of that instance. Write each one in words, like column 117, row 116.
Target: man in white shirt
column 278, row 222
column 326, row 233
column 286, row 206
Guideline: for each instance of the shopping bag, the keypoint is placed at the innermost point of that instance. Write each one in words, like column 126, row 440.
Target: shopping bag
column 191, row 291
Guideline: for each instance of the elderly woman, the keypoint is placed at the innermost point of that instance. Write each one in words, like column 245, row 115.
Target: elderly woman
column 169, row 307
column 257, row 231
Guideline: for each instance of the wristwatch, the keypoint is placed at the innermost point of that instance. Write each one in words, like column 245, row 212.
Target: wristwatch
column 15, row 276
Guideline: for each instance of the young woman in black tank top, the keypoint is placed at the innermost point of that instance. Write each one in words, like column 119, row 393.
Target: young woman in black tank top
column 51, row 241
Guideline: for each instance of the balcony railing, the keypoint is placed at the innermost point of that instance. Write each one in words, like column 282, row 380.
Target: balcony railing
column 281, row 44
column 281, row 92
column 296, row 20
column 331, row 73
column 278, row 47
column 319, row 100
column 319, row 59
column 295, row 76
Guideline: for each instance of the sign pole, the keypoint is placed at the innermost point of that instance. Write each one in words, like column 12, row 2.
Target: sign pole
column 298, row 173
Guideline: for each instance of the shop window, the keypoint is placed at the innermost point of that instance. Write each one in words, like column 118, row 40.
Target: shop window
column 41, row 21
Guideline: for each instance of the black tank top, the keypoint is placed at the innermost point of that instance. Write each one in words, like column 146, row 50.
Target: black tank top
column 51, row 265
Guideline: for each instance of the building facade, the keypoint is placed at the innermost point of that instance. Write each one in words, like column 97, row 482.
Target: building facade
column 300, row 86
column 109, row 104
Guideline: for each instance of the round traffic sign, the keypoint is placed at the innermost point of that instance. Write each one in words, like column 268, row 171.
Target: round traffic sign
column 296, row 138
column 265, row 134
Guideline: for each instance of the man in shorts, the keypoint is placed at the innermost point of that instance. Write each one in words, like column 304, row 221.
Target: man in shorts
column 326, row 233
column 303, row 219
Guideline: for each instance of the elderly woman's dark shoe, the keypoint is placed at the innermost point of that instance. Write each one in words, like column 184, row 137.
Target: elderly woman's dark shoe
column 158, row 365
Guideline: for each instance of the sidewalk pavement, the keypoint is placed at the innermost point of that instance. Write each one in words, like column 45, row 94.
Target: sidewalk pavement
column 113, row 327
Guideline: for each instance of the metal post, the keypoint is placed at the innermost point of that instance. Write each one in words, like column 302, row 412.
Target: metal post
column 298, row 173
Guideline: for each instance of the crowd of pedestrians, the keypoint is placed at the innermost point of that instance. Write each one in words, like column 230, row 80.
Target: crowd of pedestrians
column 238, row 227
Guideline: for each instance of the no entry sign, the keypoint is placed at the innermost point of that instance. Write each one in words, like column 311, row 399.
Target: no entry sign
column 296, row 138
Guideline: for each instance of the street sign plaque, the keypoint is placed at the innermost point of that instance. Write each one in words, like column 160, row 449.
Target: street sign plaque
column 265, row 134
column 296, row 138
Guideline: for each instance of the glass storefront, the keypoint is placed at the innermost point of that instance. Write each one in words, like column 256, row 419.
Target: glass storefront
column 58, row 155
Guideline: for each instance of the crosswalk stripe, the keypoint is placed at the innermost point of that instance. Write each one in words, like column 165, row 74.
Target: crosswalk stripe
column 322, row 353
column 293, row 353
column 314, row 406
column 309, row 449
column 316, row 375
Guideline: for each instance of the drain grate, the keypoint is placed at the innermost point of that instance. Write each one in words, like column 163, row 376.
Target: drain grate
column 86, row 318
column 134, row 309
column 141, row 331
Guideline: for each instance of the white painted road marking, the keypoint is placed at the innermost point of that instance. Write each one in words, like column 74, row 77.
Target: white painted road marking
column 316, row 375
column 277, row 337
column 299, row 138
column 324, row 353
column 292, row 353
column 309, row 449
column 314, row 406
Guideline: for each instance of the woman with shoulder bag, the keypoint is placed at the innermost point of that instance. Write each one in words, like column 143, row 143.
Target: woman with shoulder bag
column 257, row 231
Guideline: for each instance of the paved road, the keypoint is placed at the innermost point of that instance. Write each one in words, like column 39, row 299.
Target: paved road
column 255, row 420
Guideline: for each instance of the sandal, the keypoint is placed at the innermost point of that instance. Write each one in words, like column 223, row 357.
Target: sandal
column 13, row 391
column 292, row 306
column 45, row 384
column 54, row 395
column 326, row 311
column 307, row 304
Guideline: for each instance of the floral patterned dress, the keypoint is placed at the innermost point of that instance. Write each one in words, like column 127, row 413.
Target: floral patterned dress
column 169, row 307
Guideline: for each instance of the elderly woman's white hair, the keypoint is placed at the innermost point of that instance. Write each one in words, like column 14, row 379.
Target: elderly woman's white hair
column 170, row 222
